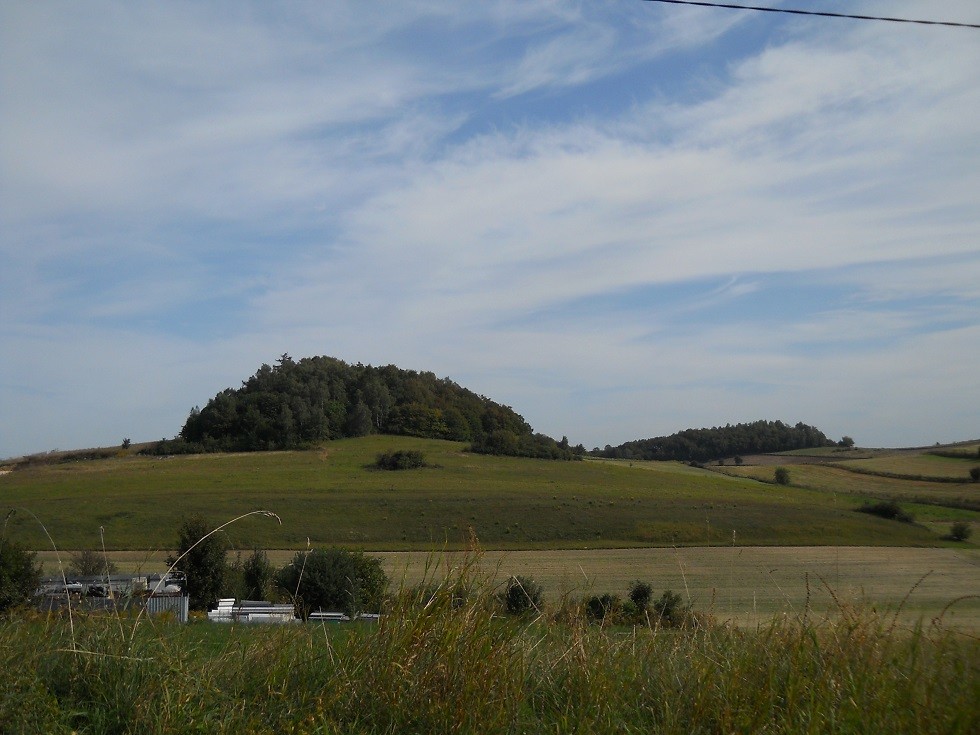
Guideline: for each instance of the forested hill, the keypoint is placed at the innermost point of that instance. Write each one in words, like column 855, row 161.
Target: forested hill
column 294, row 404
column 700, row 445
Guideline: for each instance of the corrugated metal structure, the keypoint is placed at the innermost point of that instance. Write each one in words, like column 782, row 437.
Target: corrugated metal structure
column 156, row 594
column 177, row 604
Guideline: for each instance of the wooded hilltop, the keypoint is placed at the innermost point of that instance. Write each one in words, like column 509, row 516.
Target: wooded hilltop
column 700, row 445
column 295, row 404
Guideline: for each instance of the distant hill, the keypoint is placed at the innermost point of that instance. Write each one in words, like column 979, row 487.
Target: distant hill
column 701, row 445
column 294, row 404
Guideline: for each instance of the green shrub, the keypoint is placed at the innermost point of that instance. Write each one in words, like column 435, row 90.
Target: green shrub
column 975, row 474
column 603, row 608
column 402, row 459
column 960, row 531
column 781, row 476
column 521, row 595
column 887, row 509
column 640, row 594
column 333, row 579
column 670, row 611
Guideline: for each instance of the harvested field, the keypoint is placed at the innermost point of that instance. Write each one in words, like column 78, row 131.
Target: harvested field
column 749, row 584
column 925, row 465
column 743, row 584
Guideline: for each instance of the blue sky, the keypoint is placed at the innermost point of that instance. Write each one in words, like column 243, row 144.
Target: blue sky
column 621, row 218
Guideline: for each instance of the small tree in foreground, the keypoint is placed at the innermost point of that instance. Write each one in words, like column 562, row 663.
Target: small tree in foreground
column 257, row 575
column 521, row 595
column 975, row 474
column 333, row 579
column 640, row 594
column 20, row 575
column 601, row 607
column 204, row 564
column 669, row 609
column 781, row 476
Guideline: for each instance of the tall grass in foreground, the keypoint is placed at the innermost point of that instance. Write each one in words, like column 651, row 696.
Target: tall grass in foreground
column 443, row 660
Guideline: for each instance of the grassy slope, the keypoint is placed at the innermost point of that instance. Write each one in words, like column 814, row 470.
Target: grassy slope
column 330, row 496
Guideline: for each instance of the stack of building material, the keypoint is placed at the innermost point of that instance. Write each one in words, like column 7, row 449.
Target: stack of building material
column 251, row 611
column 338, row 617
column 223, row 612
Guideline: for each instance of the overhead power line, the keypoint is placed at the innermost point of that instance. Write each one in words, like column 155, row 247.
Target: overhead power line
column 825, row 14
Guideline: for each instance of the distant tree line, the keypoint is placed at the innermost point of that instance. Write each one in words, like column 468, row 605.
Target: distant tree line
column 294, row 404
column 701, row 445
column 538, row 446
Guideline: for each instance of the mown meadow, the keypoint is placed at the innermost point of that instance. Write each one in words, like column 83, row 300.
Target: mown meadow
column 333, row 495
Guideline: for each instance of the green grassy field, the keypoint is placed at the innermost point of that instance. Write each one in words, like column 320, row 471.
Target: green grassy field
column 432, row 665
column 333, row 496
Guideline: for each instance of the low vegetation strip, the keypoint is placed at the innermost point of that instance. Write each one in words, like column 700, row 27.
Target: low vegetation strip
column 903, row 476
column 960, row 450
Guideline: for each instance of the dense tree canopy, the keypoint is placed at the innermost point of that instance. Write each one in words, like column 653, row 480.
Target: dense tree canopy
column 202, row 561
column 701, row 445
column 333, row 579
column 294, row 404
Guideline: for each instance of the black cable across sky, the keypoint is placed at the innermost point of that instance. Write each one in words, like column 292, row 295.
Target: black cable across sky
column 821, row 13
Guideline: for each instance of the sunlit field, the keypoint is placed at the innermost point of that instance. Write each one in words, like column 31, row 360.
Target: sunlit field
column 334, row 496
